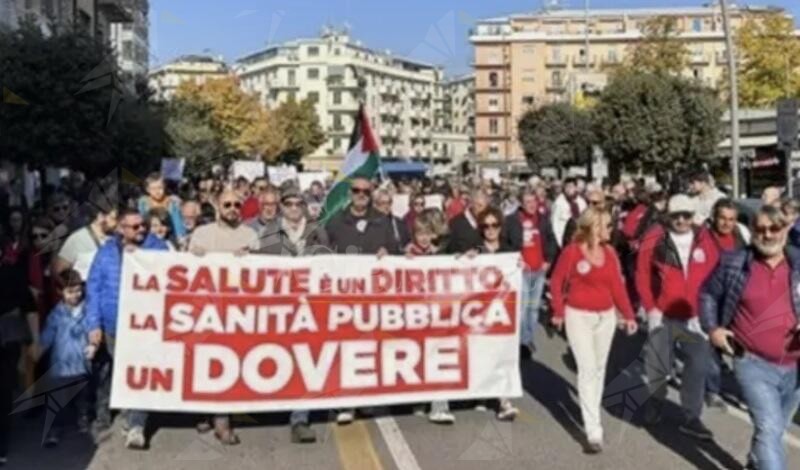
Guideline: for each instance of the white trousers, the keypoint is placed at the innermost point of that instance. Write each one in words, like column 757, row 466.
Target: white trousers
column 590, row 335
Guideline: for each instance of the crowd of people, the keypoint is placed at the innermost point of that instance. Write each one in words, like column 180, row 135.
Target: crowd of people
column 681, row 267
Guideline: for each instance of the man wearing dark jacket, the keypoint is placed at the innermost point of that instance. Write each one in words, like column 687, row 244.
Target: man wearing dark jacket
column 750, row 307
column 464, row 232
column 527, row 232
column 360, row 229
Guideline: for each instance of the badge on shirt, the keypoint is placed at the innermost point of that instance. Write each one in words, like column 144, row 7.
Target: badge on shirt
column 699, row 255
column 528, row 224
column 584, row 267
column 361, row 225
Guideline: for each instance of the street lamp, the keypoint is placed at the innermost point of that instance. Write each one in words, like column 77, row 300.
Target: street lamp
column 726, row 25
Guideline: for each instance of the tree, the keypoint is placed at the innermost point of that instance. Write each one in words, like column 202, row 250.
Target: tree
column 657, row 123
column 660, row 51
column 247, row 128
column 299, row 124
column 65, row 105
column 556, row 135
column 769, row 60
column 193, row 136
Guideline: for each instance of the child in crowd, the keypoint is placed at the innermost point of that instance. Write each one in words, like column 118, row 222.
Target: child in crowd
column 66, row 336
column 423, row 235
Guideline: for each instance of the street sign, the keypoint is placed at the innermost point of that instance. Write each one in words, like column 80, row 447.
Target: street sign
column 787, row 123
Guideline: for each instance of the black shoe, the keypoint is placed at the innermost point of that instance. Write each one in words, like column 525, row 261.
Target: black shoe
column 653, row 414
column 715, row 401
column 695, row 428
column 593, row 448
column 525, row 353
column 303, row 434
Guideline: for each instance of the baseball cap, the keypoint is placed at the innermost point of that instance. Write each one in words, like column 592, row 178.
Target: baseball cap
column 290, row 191
column 680, row 203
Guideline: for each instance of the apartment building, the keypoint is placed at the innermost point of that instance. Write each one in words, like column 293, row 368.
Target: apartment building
column 131, row 41
column 454, row 139
column 165, row 80
column 527, row 60
column 92, row 16
column 401, row 96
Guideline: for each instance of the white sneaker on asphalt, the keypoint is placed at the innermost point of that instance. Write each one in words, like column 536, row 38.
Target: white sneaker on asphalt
column 441, row 417
column 135, row 438
column 345, row 417
column 419, row 411
column 507, row 412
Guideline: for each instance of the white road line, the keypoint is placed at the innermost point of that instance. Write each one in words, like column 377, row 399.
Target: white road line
column 789, row 438
column 401, row 453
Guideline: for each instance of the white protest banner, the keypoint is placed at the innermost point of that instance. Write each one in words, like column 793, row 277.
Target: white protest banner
column 226, row 334
column 279, row 174
column 250, row 169
column 434, row 201
column 305, row 178
column 492, row 174
column 172, row 168
column 400, row 205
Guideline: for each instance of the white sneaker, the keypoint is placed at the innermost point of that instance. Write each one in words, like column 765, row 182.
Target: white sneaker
column 481, row 406
column 507, row 412
column 419, row 411
column 441, row 417
column 344, row 417
column 135, row 438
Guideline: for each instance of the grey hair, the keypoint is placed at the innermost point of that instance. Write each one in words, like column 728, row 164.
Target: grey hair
column 771, row 213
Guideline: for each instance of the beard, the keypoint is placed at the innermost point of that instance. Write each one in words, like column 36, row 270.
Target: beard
column 768, row 248
column 231, row 221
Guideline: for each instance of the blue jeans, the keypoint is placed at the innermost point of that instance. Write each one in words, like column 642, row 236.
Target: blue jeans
column 714, row 377
column 772, row 393
column 532, row 287
column 135, row 418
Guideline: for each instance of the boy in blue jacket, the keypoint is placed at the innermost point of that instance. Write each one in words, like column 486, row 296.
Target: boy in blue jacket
column 66, row 336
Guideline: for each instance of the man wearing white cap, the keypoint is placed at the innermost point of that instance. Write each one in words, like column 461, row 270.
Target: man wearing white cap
column 673, row 262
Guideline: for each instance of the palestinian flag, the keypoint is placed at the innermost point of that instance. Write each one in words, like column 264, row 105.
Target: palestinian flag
column 362, row 160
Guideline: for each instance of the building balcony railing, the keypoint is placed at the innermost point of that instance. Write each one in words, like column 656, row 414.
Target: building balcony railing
column 337, row 130
column 115, row 11
column 556, row 62
column 582, row 62
column 343, row 84
column 347, row 107
column 699, row 59
column 556, row 87
column 284, row 84
column 387, row 90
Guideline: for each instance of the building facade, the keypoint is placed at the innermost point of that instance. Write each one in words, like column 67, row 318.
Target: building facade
column 454, row 139
column 164, row 80
column 404, row 98
column 527, row 60
column 131, row 42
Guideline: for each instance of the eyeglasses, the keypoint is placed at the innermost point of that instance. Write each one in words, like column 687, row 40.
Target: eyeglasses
column 772, row 229
column 134, row 227
column 681, row 215
column 39, row 235
column 229, row 204
column 493, row 226
column 293, row 203
column 364, row 191
column 269, row 203
column 261, row 188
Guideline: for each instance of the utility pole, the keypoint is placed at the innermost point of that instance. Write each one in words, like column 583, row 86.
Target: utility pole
column 726, row 24
column 586, row 34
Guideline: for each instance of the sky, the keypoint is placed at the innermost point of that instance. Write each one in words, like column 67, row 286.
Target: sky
column 434, row 31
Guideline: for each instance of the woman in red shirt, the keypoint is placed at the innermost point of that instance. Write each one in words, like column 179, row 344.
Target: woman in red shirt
column 586, row 289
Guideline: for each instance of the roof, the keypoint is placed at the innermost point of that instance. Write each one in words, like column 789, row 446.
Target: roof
column 600, row 12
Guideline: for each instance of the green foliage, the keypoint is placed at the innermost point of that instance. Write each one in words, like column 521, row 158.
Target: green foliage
column 299, row 124
column 193, row 136
column 660, row 51
column 59, row 105
column 657, row 123
column 556, row 135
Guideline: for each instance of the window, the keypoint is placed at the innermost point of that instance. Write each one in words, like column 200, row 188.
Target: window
column 697, row 73
column 337, row 51
column 313, row 96
column 313, row 74
column 493, row 104
column 127, row 26
column 555, row 78
column 127, row 50
column 494, row 149
column 292, row 96
column 292, row 77
column 612, row 56
column 313, row 51
column 337, row 97
column 527, row 100
column 493, row 80
column 493, row 128
column 697, row 25
column 337, row 122
column 556, row 55
column 337, row 144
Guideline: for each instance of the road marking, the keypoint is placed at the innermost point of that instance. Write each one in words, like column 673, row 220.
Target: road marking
column 789, row 438
column 398, row 446
column 356, row 450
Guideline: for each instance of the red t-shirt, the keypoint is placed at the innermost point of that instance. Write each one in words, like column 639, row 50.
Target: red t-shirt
column 250, row 208
column 532, row 252
column 765, row 317
column 580, row 284
column 455, row 208
column 726, row 242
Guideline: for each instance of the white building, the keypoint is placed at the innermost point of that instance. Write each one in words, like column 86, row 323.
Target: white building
column 401, row 95
column 197, row 68
column 131, row 40
column 455, row 139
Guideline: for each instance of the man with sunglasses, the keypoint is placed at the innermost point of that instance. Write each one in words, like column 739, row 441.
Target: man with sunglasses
column 227, row 235
column 359, row 228
column 673, row 262
column 102, row 302
column 750, row 308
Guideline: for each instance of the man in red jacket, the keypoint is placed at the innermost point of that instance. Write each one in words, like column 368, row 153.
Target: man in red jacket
column 672, row 264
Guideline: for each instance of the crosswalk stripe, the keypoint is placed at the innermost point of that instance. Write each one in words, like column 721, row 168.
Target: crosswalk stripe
column 355, row 447
column 398, row 446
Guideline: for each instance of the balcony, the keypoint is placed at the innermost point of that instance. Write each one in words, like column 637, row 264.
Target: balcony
column 115, row 11
column 553, row 62
column 340, row 129
column 611, row 61
column 387, row 90
column 581, row 62
column 344, row 107
column 699, row 59
column 281, row 84
column 340, row 83
column 556, row 87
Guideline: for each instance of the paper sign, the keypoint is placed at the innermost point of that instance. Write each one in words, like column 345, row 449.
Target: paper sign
column 306, row 178
column 492, row 174
column 400, row 203
column 434, row 201
column 172, row 168
column 279, row 174
column 248, row 168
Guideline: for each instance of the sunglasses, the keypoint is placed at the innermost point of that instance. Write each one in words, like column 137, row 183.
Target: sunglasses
column 681, row 215
column 493, row 226
column 229, row 204
column 134, row 227
column 293, row 204
column 261, row 188
column 364, row 191
column 772, row 229
column 39, row 235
